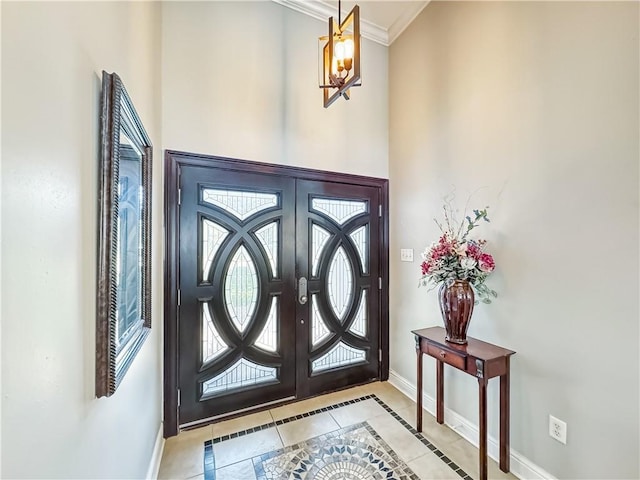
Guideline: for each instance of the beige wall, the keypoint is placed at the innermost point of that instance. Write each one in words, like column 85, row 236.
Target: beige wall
column 240, row 79
column 534, row 107
column 52, row 58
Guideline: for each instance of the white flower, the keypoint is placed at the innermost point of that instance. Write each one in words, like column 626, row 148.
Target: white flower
column 468, row 263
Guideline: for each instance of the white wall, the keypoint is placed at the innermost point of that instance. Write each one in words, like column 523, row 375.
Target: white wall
column 240, row 79
column 536, row 105
column 52, row 58
column 220, row 95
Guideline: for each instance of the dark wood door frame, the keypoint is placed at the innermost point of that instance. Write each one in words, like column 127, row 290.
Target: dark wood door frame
column 174, row 160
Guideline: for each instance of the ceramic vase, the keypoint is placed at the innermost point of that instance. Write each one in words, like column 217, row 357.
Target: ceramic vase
column 456, row 304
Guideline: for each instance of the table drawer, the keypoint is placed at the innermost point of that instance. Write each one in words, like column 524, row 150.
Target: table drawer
column 451, row 357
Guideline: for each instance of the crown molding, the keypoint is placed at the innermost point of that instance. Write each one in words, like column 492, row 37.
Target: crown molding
column 322, row 12
column 408, row 16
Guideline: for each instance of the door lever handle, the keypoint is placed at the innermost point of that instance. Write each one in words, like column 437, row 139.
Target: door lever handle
column 302, row 290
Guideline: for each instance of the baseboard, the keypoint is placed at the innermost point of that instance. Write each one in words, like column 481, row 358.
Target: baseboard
column 520, row 466
column 156, row 456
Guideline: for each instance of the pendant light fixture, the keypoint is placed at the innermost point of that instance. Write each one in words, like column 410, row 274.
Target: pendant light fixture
column 339, row 56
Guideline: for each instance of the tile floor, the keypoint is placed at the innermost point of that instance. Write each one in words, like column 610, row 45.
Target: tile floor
column 183, row 456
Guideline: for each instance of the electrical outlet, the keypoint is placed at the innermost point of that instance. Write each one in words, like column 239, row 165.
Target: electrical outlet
column 557, row 429
column 406, row 254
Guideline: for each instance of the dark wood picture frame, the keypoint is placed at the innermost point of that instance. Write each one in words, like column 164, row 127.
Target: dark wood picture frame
column 124, row 240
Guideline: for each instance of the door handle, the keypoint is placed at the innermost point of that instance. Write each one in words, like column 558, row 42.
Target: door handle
column 302, row 290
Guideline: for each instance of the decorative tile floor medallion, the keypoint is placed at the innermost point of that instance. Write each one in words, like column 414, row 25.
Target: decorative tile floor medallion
column 352, row 453
column 356, row 452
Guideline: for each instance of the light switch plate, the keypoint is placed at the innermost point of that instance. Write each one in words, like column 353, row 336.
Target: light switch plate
column 406, row 254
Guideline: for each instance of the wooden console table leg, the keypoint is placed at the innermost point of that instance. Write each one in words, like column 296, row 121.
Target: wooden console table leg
column 440, row 391
column 504, row 419
column 419, row 387
column 482, row 383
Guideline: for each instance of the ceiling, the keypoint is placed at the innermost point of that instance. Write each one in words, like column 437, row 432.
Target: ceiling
column 380, row 21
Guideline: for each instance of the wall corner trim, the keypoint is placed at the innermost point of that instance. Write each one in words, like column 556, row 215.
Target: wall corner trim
column 521, row 466
column 408, row 16
column 321, row 11
column 156, row 456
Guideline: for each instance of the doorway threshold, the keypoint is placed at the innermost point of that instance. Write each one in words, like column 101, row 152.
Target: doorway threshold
column 235, row 413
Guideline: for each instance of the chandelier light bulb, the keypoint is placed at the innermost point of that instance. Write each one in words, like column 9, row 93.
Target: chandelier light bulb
column 348, row 54
column 348, row 48
column 339, row 50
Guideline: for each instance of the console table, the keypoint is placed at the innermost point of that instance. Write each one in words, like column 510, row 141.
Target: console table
column 480, row 359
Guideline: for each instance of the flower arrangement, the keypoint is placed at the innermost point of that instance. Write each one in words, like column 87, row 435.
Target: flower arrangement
column 456, row 257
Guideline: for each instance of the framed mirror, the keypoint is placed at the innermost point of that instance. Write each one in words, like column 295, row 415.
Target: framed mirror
column 124, row 250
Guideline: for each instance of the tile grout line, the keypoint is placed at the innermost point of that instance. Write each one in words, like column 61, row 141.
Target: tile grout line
column 292, row 418
column 209, row 474
column 277, row 431
column 435, row 450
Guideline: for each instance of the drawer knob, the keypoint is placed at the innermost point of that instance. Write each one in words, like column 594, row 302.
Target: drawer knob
column 442, row 354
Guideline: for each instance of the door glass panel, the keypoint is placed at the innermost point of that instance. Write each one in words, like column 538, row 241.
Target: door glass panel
column 359, row 325
column 241, row 289
column 212, row 343
column 239, row 204
column 319, row 239
column 212, row 237
column 360, row 240
column 340, row 355
column 339, row 210
column 240, row 374
column 268, row 339
column 319, row 330
column 268, row 236
column 340, row 283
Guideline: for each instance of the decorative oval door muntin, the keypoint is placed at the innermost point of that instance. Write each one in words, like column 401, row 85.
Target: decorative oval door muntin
column 242, row 257
column 243, row 344
column 237, row 240
column 342, row 239
column 339, row 253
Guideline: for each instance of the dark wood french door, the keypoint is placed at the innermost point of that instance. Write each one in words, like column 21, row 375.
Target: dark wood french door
column 337, row 256
column 237, row 291
column 278, row 281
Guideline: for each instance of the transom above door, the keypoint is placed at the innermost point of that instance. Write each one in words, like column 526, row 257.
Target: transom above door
column 280, row 285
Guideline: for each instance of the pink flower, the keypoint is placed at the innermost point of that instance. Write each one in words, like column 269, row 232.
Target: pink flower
column 486, row 263
column 473, row 250
column 427, row 267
